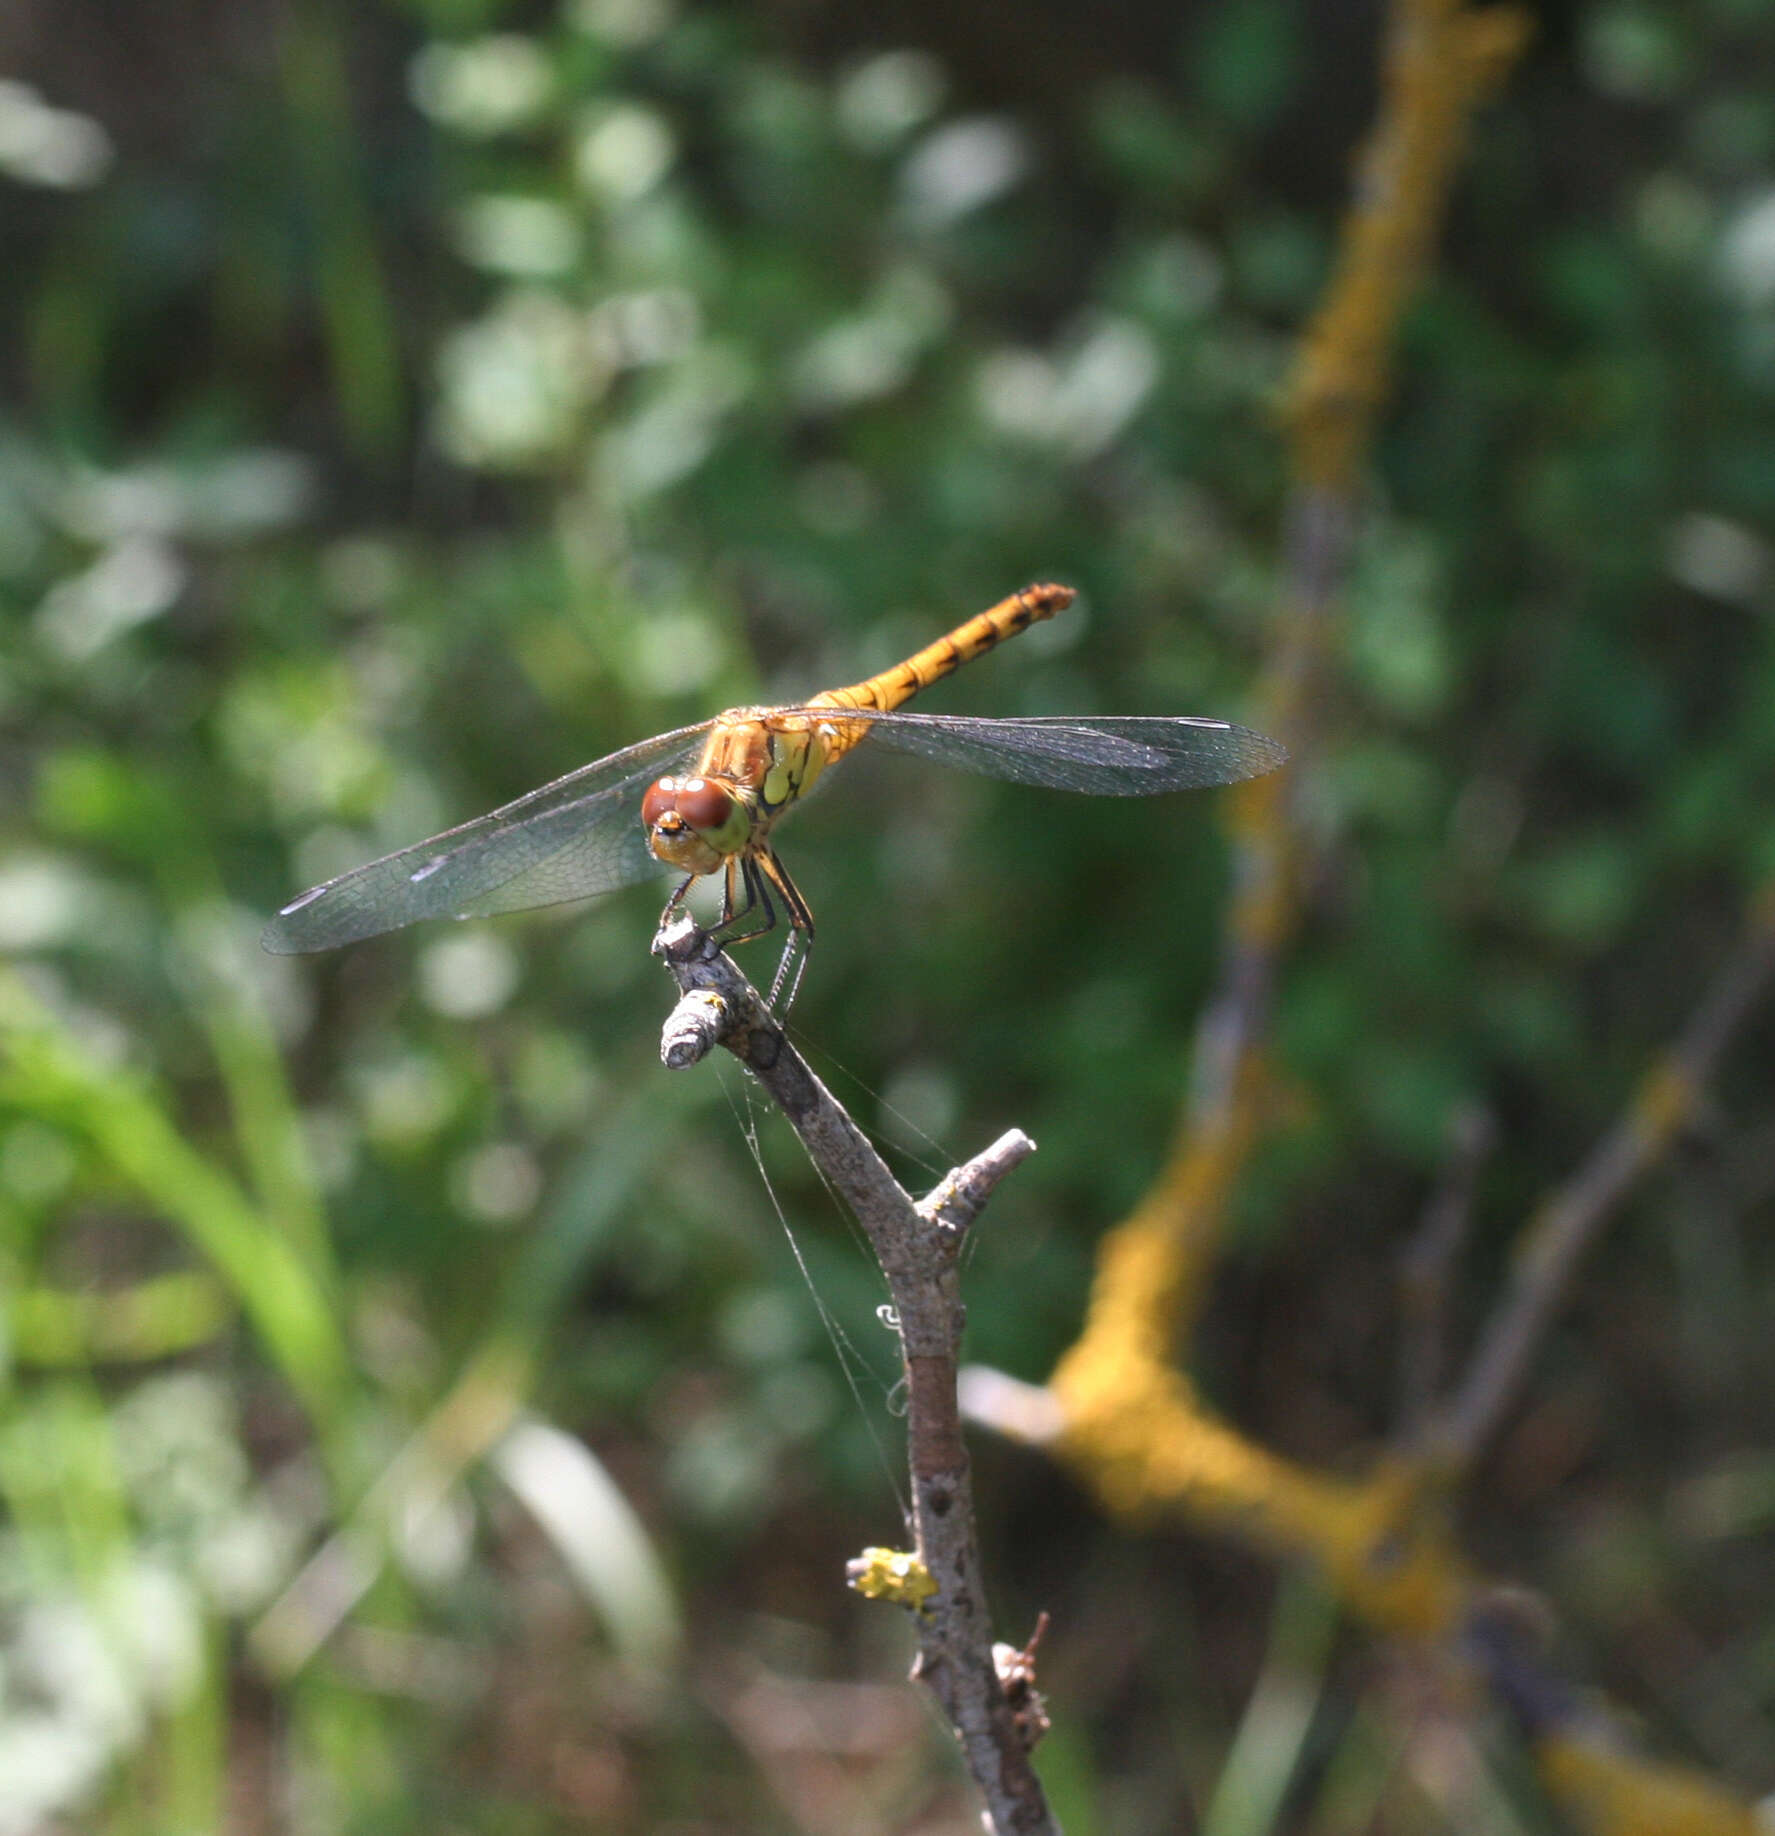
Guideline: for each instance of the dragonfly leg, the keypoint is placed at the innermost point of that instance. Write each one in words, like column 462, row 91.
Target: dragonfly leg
column 757, row 871
column 677, row 898
column 734, row 927
column 796, row 950
column 801, row 930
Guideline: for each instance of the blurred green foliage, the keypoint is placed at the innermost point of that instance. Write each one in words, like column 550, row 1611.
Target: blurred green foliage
column 406, row 405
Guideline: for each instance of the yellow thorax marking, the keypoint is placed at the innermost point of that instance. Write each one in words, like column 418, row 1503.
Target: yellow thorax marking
column 798, row 756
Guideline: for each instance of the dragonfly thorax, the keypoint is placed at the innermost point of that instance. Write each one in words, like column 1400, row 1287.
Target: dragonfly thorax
column 695, row 823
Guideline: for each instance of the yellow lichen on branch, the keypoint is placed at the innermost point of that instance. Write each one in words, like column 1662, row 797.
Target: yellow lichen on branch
column 1443, row 59
column 1151, row 1266
column 1138, row 1432
column 1135, row 1426
column 1154, row 1451
column 891, row 1574
column 1605, row 1791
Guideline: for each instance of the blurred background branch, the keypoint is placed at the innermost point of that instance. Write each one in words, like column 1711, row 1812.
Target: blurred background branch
column 1441, row 61
column 1555, row 1239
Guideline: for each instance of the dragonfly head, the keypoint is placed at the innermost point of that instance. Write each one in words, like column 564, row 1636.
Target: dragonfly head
column 694, row 823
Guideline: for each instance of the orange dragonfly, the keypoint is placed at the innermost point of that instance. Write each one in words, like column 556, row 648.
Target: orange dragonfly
column 705, row 798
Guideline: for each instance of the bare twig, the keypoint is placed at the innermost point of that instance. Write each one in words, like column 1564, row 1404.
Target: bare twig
column 1265, row 832
column 1556, row 1238
column 1427, row 1265
column 917, row 1247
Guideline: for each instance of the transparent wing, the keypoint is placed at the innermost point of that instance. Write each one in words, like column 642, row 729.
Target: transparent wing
column 1124, row 755
column 571, row 839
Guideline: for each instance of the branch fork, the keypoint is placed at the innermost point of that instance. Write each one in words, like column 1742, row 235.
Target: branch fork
column 918, row 1245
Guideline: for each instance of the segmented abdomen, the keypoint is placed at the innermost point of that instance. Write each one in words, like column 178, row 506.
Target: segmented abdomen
column 978, row 635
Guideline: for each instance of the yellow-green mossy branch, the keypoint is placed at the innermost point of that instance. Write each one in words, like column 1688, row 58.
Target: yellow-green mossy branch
column 1443, row 60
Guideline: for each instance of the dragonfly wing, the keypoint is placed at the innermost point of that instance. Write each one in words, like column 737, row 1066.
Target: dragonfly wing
column 576, row 837
column 574, row 853
column 1127, row 755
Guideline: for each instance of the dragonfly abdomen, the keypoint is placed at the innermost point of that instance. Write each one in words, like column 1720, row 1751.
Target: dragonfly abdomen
column 979, row 634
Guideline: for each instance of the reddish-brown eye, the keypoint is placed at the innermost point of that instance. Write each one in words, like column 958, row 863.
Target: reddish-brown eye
column 703, row 804
column 697, row 802
column 660, row 800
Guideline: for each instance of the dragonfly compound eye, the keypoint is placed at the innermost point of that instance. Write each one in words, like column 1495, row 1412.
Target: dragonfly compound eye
column 692, row 823
column 675, row 804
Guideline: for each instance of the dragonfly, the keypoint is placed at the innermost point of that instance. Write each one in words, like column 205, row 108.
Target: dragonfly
column 706, row 799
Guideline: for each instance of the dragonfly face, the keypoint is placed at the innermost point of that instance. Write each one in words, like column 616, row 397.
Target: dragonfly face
column 694, row 824
column 753, row 767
